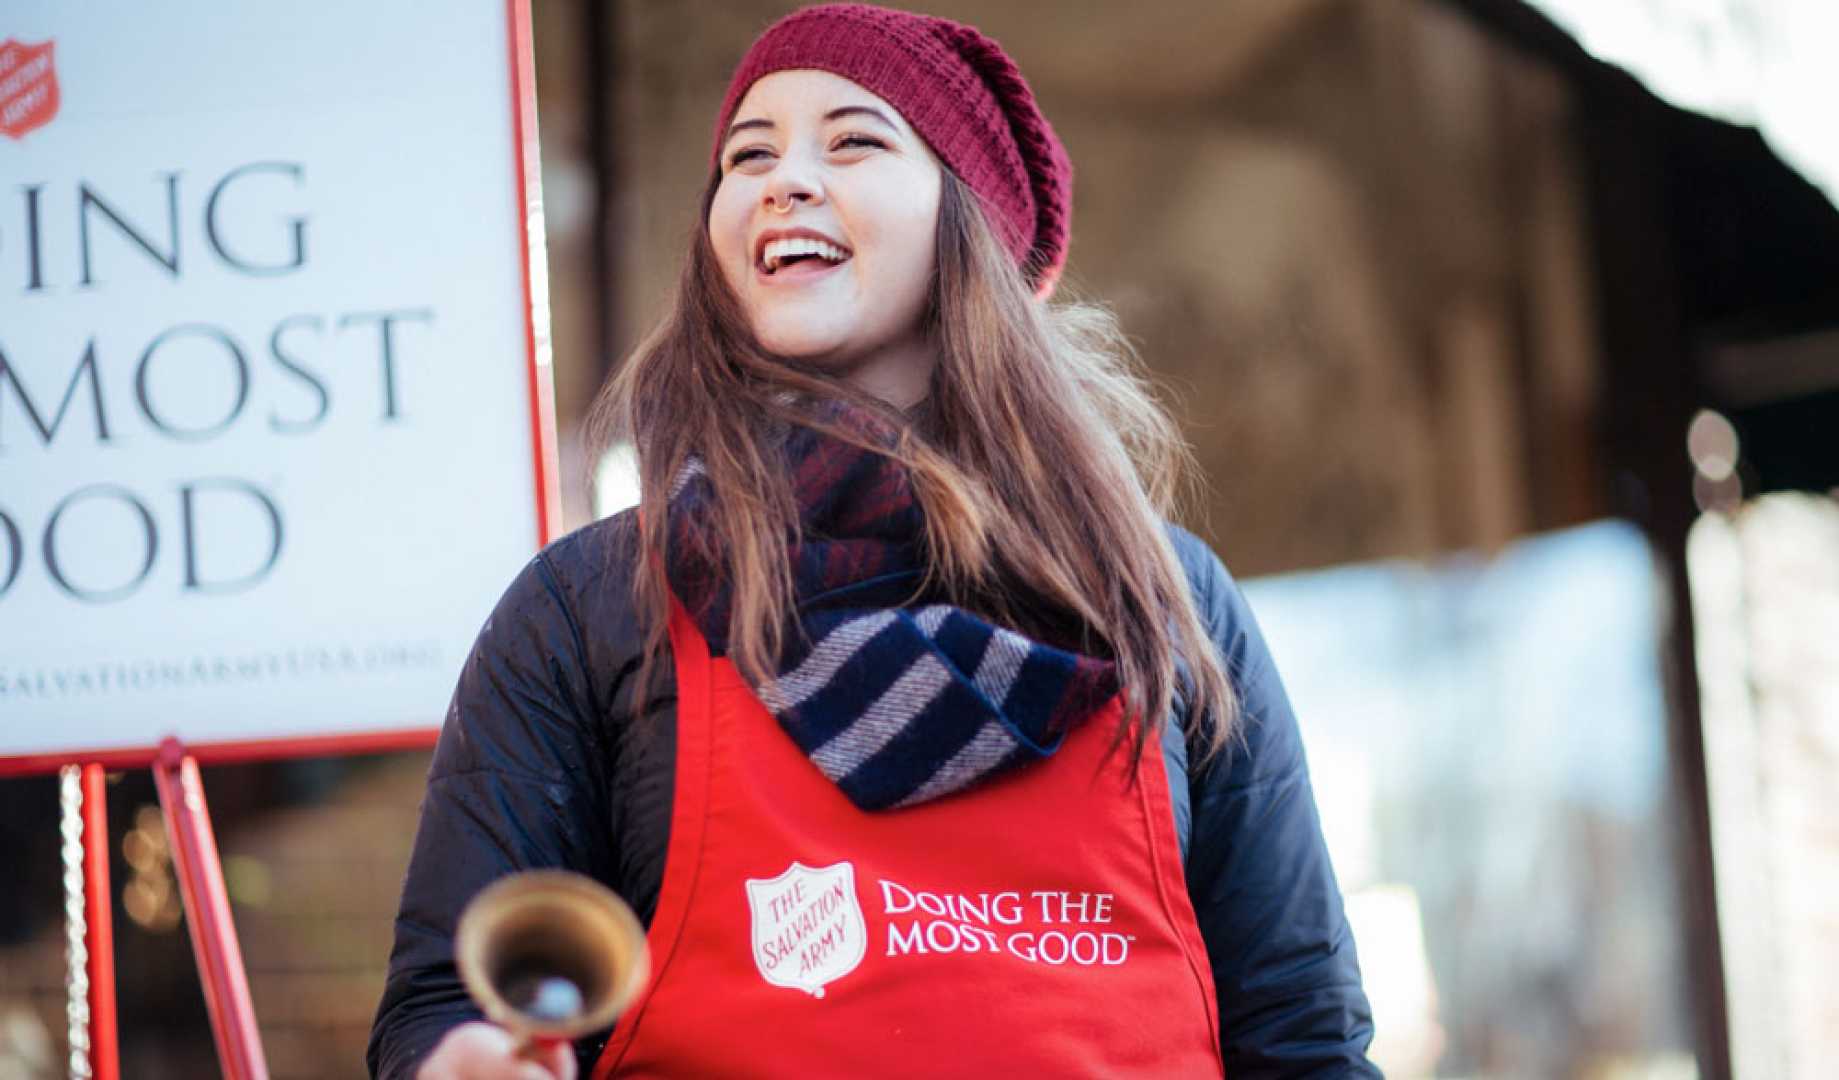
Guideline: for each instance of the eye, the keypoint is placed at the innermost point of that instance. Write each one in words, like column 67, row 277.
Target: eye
column 861, row 140
column 741, row 156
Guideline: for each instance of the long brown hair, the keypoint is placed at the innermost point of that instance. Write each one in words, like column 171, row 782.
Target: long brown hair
column 1041, row 459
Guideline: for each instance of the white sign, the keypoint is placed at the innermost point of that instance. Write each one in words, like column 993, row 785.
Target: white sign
column 267, row 449
column 808, row 929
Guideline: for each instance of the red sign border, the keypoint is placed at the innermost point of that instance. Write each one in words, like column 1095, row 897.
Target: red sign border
column 543, row 444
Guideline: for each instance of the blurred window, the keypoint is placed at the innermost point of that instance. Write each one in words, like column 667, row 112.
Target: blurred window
column 1487, row 739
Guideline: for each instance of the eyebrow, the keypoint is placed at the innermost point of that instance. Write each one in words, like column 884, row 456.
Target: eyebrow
column 833, row 114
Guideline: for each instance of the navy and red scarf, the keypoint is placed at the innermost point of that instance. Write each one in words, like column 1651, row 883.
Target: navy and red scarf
column 897, row 700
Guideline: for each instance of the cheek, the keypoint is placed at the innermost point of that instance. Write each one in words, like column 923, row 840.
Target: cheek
column 728, row 227
column 910, row 244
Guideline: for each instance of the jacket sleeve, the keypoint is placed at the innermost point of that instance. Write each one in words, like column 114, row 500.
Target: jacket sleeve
column 517, row 782
column 1283, row 959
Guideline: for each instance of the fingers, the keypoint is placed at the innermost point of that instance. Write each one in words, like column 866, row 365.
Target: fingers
column 558, row 1061
column 482, row 1051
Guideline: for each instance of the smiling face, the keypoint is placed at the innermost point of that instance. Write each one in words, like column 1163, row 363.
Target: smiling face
column 825, row 224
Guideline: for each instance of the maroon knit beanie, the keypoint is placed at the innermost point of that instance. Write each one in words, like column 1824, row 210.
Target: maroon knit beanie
column 959, row 91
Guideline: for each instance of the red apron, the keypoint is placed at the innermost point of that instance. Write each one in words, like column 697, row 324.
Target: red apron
column 1037, row 924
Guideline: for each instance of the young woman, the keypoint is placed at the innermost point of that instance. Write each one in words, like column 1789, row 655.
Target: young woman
column 919, row 741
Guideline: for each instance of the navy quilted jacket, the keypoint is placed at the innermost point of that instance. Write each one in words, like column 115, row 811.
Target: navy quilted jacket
column 541, row 762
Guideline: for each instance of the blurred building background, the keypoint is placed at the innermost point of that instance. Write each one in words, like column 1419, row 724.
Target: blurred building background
column 1516, row 386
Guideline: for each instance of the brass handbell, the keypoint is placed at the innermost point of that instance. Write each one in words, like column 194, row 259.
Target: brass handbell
column 551, row 955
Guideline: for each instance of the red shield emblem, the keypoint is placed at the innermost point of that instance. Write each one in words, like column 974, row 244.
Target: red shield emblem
column 807, row 926
column 28, row 87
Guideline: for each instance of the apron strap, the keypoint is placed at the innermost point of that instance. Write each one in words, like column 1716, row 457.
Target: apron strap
column 693, row 668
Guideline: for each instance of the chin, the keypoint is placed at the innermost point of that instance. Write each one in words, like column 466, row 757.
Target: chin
column 800, row 343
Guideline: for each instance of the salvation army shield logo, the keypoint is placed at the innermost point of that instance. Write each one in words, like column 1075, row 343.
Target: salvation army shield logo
column 28, row 87
column 808, row 929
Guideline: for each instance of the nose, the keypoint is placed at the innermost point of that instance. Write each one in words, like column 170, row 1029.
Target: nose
column 791, row 182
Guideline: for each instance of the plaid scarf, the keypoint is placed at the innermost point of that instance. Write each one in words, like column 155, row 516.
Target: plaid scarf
column 896, row 704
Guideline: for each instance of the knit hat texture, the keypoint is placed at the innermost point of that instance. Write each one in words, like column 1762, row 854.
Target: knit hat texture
column 959, row 91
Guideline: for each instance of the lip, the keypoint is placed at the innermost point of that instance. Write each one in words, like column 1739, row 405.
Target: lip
column 799, row 232
column 797, row 274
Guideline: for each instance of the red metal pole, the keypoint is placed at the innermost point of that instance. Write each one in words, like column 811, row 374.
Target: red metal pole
column 207, row 910
column 104, row 1056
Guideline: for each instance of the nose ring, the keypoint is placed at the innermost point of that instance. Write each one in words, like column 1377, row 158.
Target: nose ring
column 778, row 209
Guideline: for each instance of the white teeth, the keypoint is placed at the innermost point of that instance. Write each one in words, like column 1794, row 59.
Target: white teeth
column 777, row 251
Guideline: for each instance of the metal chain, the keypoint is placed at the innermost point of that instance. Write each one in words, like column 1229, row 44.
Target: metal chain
column 76, row 927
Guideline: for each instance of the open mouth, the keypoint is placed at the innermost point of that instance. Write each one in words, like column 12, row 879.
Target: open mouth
column 799, row 256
